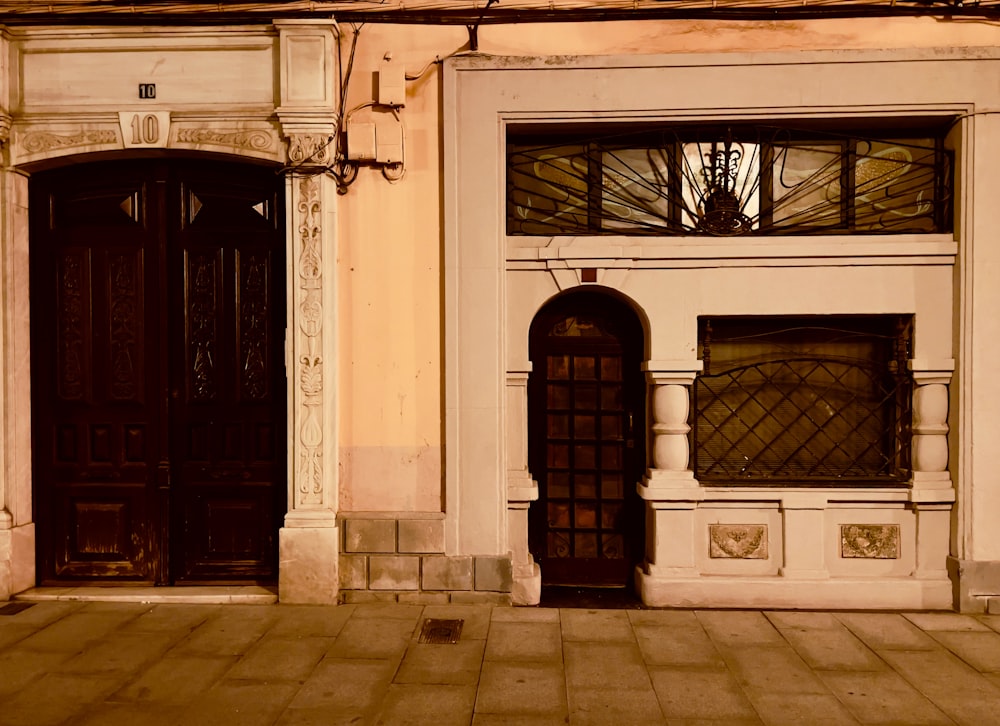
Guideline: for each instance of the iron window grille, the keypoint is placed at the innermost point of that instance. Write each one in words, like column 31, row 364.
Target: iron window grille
column 729, row 180
column 803, row 401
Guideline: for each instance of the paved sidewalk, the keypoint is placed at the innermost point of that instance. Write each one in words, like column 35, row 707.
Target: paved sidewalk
column 116, row 663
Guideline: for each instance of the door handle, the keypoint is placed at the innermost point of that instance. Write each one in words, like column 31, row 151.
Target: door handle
column 163, row 475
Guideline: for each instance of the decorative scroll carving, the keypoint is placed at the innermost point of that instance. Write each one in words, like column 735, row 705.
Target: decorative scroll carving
column 254, row 140
column 5, row 124
column 870, row 541
column 70, row 332
column 254, row 305
column 310, row 149
column 37, row 142
column 310, row 471
column 201, row 313
column 738, row 541
column 124, row 304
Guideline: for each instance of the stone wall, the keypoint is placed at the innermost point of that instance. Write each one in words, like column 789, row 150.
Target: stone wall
column 402, row 559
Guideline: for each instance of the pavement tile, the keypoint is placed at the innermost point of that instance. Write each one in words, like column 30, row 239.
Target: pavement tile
column 800, row 709
column 41, row 614
column 176, row 679
column 18, row 668
column 123, row 653
column 76, row 631
column 433, row 705
column 11, row 634
column 320, row 717
column 764, row 670
column 604, row 665
column 833, row 649
column 882, row 698
column 739, row 628
column 352, row 685
column 505, row 719
column 538, row 641
column 881, row 631
column 673, row 618
column 476, row 618
column 373, row 638
column 230, row 632
column 281, row 659
column 785, row 619
column 132, row 714
column 678, row 646
column 171, row 618
column 714, row 722
column 388, row 611
column 525, row 615
column 522, row 689
column 944, row 621
column 990, row 621
column 979, row 650
column 700, row 694
column 239, row 703
column 603, row 706
column 954, row 687
column 55, row 698
column 308, row 621
column 596, row 625
column 430, row 664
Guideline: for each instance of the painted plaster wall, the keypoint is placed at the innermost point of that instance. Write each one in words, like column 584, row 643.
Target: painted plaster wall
column 389, row 255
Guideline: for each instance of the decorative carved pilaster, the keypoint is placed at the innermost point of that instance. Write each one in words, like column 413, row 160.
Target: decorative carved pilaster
column 309, row 363
column 5, row 124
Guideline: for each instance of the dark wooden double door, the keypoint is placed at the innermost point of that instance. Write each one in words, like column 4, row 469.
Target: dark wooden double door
column 586, row 440
column 158, row 389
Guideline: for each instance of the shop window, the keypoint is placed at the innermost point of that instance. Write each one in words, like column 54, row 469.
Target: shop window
column 731, row 180
column 820, row 400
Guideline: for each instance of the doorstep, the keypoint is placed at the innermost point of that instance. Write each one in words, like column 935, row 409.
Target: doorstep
column 209, row 595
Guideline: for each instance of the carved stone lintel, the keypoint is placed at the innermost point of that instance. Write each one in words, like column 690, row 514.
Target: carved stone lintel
column 738, row 541
column 310, row 150
column 869, row 541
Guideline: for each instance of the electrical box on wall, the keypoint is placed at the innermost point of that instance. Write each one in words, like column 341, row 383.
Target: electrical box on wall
column 388, row 140
column 361, row 141
column 391, row 83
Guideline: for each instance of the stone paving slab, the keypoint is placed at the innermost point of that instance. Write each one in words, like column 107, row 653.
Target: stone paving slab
column 67, row 663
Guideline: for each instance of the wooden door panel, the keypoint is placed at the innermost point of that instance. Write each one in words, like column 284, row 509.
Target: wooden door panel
column 586, row 528
column 229, row 449
column 158, row 406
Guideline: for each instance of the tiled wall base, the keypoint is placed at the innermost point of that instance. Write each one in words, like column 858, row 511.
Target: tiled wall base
column 976, row 585
column 401, row 559
column 779, row 592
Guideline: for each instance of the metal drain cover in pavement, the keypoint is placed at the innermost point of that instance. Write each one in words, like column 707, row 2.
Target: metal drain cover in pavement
column 441, row 632
column 14, row 608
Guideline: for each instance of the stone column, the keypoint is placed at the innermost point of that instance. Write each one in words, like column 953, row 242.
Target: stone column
column 309, row 541
column 931, row 492
column 669, row 487
column 17, row 531
column 522, row 490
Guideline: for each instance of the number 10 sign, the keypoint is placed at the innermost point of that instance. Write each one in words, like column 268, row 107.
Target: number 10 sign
column 144, row 129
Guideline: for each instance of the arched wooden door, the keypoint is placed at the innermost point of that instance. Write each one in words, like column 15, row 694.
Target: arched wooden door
column 586, row 440
column 158, row 394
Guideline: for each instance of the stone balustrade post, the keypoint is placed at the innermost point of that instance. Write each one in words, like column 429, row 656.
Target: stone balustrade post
column 932, row 493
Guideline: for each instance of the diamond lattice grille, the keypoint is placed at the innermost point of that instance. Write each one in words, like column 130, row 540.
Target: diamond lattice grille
column 802, row 418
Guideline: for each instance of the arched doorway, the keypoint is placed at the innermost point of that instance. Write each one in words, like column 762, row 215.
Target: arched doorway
column 158, row 389
column 586, row 437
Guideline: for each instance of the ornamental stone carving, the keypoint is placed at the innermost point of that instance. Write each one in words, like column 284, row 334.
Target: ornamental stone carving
column 38, row 142
column 310, row 150
column 869, row 541
column 257, row 140
column 738, row 541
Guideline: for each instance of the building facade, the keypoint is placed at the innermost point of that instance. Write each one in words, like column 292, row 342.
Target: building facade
column 424, row 313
